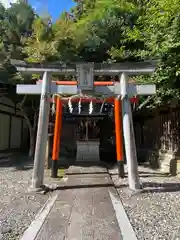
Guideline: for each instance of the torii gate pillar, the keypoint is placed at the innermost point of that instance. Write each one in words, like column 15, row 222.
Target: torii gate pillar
column 42, row 132
column 129, row 139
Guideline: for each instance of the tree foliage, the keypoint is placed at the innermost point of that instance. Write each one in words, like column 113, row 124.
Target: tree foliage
column 98, row 31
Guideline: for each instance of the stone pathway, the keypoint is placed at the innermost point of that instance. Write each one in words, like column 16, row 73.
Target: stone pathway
column 83, row 209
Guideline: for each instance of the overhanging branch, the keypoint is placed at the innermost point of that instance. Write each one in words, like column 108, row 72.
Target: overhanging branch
column 145, row 102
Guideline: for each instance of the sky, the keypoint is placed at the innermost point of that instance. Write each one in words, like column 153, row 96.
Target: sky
column 54, row 7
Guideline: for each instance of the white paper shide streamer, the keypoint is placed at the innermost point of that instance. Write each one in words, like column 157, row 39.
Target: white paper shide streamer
column 79, row 106
column 70, row 106
column 91, row 107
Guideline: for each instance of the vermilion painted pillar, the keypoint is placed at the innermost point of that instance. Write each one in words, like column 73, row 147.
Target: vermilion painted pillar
column 119, row 136
column 57, row 137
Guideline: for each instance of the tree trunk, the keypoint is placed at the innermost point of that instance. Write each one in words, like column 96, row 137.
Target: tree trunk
column 32, row 142
column 32, row 127
column 32, row 133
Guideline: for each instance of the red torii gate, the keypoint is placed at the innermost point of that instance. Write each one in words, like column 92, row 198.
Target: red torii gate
column 93, row 99
column 117, row 117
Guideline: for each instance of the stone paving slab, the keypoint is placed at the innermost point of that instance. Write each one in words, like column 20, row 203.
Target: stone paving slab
column 83, row 210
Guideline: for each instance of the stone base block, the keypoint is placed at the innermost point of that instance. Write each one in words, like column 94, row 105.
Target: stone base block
column 87, row 151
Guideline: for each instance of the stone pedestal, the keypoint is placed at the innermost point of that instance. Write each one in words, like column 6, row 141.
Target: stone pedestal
column 87, row 151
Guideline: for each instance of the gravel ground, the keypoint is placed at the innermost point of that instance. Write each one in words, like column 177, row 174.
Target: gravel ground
column 18, row 207
column 155, row 212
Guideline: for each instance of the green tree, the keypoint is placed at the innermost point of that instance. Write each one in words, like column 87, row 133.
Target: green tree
column 158, row 26
column 16, row 28
column 98, row 31
column 39, row 46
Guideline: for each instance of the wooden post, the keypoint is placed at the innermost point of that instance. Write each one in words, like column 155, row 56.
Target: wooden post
column 57, row 136
column 119, row 136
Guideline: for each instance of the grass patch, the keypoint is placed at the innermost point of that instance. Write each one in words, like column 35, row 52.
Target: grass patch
column 60, row 173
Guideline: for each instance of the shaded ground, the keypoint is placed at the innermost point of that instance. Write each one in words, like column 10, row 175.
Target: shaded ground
column 154, row 213
column 17, row 206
